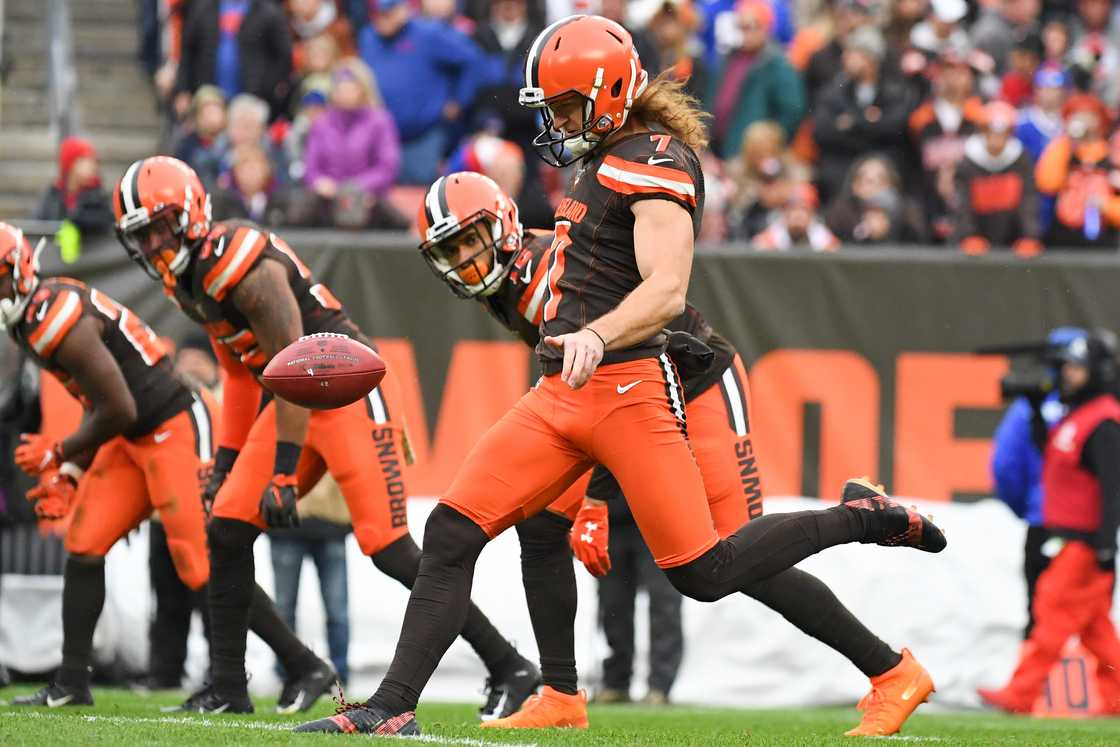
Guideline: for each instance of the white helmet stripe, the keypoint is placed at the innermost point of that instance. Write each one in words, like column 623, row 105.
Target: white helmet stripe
column 127, row 181
column 431, row 201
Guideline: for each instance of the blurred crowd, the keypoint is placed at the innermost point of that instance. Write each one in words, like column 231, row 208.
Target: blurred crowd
column 972, row 125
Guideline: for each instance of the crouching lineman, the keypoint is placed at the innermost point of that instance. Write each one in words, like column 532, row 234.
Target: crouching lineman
column 1081, row 482
column 145, row 440
column 254, row 296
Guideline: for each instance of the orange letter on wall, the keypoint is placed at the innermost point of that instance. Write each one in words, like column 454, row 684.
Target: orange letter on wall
column 929, row 461
column 845, row 386
column 484, row 380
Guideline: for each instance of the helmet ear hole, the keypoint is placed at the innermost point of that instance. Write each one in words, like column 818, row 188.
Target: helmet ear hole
column 616, row 89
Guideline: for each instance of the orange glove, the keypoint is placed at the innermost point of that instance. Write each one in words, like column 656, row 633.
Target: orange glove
column 1026, row 247
column 974, row 246
column 37, row 454
column 53, row 497
column 589, row 536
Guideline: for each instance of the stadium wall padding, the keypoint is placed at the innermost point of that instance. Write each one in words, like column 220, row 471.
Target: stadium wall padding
column 860, row 360
column 964, row 624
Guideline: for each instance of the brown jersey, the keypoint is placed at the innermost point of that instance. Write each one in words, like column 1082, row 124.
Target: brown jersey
column 518, row 303
column 59, row 304
column 204, row 290
column 593, row 266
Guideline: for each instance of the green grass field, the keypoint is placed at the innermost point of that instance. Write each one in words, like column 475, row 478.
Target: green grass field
column 122, row 718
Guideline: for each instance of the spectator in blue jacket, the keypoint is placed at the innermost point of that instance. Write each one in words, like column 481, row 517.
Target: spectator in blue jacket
column 711, row 10
column 429, row 74
column 1017, row 471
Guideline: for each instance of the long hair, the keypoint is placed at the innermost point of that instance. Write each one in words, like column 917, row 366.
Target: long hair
column 666, row 103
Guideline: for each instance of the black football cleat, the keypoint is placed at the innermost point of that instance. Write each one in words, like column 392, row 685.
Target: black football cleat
column 207, row 700
column 55, row 695
column 899, row 526
column 364, row 718
column 302, row 691
column 505, row 696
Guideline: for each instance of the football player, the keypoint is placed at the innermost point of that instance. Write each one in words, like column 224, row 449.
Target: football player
column 474, row 242
column 147, row 440
column 618, row 273
column 254, row 296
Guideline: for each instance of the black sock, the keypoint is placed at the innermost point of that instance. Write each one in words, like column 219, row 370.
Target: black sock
column 767, row 545
column 550, row 591
column 437, row 607
column 83, row 596
column 231, row 594
column 401, row 561
column 264, row 620
column 811, row 606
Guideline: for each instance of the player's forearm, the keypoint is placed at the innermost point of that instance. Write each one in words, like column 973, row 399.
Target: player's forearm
column 100, row 426
column 291, row 422
column 658, row 300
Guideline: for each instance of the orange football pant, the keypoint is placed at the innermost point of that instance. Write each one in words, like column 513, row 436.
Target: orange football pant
column 630, row 418
column 162, row 470
column 361, row 445
column 719, row 431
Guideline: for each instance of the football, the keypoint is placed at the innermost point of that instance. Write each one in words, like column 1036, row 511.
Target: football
column 324, row 371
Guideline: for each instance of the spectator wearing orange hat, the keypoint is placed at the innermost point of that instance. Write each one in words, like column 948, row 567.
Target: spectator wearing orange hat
column 797, row 225
column 997, row 201
column 1076, row 169
column 77, row 194
column 672, row 28
column 755, row 82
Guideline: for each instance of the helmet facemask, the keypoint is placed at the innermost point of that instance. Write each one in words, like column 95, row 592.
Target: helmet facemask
column 157, row 243
column 470, row 257
column 560, row 148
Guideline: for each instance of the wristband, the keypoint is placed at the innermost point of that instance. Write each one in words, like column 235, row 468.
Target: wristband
column 592, row 331
column 287, row 456
column 71, row 470
column 225, row 458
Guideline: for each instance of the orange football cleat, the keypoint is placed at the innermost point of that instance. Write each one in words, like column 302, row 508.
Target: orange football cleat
column 894, row 696
column 548, row 709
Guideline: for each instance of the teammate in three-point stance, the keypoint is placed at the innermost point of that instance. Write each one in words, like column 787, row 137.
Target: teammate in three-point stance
column 142, row 444
column 254, row 296
column 618, row 273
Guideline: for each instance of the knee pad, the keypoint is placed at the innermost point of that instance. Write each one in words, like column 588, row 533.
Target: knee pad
column 543, row 537
column 451, row 538
column 192, row 565
column 700, row 579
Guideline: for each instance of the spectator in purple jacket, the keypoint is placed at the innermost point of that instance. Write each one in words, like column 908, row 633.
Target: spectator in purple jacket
column 352, row 155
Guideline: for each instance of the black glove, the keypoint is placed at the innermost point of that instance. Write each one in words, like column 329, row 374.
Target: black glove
column 278, row 504
column 691, row 354
column 223, row 463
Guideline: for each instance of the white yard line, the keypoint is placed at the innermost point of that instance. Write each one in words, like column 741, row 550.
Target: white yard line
column 231, row 724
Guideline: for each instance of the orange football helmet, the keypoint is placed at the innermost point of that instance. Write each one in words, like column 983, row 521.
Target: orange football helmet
column 592, row 59
column 19, row 260
column 163, row 213
column 470, row 233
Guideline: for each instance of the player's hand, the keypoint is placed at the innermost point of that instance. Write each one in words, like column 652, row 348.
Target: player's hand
column 37, row 454
column 583, row 351
column 278, row 504
column 53, row 497
column 589, row 538
column 223, row 463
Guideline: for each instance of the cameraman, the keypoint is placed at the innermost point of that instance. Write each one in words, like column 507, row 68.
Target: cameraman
column 1017, row 461
column 1081, row 483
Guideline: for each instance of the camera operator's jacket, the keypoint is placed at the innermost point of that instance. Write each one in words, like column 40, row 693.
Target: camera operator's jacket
column 1081, row 474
